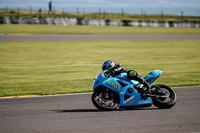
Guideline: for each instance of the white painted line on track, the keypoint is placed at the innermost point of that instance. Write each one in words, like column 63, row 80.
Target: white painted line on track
column 187, row 87
column 72, row 94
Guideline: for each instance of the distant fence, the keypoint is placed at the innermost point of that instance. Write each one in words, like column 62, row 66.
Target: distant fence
column 97, row 22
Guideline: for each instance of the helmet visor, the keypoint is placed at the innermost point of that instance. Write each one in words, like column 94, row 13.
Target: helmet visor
column 112, row 65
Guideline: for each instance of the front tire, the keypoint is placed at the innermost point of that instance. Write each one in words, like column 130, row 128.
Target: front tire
column 105, row 103
column 165, row 103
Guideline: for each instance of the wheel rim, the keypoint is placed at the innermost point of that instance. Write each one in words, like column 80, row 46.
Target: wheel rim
column 104, row 102
column 169, row 96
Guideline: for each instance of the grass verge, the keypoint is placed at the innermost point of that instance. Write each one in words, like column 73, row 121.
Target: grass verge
column 56, row 29
column 40, row 68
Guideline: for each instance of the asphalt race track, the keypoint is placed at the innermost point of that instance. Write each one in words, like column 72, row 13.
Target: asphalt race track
column 76, row 114
column 38, row 37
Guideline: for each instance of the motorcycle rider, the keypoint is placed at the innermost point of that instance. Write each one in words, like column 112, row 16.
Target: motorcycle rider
column 115, row 69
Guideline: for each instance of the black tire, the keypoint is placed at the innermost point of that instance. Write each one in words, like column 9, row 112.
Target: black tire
column 100, row 104
column 165, row 103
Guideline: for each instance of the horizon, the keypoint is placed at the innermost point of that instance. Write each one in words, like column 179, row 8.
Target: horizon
column 103, row 3
column 175, row 7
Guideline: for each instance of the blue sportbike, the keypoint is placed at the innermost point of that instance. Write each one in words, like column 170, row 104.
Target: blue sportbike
column 119, row 91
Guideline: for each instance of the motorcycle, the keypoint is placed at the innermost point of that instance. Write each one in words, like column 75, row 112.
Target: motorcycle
column 111, row 93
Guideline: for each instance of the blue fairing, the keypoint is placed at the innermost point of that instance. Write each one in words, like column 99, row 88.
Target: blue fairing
column 153, row 76
column 121, row 83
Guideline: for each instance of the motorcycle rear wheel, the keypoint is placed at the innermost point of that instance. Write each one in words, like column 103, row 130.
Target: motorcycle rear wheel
column 104, row 103
column 165, row 103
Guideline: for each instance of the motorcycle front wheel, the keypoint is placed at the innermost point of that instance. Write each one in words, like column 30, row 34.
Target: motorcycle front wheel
column 105, row 100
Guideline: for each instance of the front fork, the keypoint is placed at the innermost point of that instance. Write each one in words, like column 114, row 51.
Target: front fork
column 106, row 94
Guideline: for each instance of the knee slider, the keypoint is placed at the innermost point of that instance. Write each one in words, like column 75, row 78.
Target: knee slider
column 131, row 73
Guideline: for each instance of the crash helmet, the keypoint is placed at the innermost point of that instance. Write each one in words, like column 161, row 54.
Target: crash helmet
column 108, row 65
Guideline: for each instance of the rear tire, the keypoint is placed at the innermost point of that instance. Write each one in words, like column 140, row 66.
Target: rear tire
column 165, row 103
column 105, row 104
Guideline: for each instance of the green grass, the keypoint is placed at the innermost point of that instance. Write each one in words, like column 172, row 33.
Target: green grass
column 64, row 67
column 55, row 29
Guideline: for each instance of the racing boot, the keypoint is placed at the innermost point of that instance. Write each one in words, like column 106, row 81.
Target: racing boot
column 147, row 87
column 145, row 90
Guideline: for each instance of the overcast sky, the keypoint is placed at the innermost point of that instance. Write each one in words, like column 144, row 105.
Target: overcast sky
column 104, row 3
